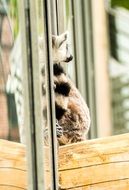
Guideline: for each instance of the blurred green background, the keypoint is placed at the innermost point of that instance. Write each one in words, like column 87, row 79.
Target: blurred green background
column 120, row 3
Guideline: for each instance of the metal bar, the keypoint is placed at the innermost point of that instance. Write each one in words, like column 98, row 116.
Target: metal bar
column 36, row 70
column 50, row 95
column 84, row 56
column 61, row 16
column 32, row 114
column 79, row 46
column 89, row 63
column 23, row 16
column 69, row 24
column 54, row 20
column 74, row 41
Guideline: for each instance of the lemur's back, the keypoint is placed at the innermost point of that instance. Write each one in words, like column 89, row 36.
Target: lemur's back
column 75, row 120
column 72, row 113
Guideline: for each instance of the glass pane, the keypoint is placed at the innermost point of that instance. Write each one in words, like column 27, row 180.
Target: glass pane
column 119, row 38
column 11, row 99
column 10, row 72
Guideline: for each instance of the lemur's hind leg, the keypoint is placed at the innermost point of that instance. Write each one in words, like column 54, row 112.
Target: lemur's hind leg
column 59, row 132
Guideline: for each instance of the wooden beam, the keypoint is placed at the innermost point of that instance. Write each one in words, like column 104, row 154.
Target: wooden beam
column 96, row 164
column 99, row 164
column 13, row 170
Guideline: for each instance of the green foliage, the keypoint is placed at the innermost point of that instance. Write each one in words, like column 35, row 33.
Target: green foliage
column 13, row 13
column 120, row 3
column 67, row 10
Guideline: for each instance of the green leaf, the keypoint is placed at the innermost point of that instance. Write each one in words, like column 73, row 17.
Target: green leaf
column 120, row 3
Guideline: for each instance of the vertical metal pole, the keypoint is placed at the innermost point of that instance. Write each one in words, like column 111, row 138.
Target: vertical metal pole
column 79, row 46
column 31, row 84
column 84, row 62
column 61, row 16
column 54, row 17
column 51, row 102
column 89, row 62
column 37, row 95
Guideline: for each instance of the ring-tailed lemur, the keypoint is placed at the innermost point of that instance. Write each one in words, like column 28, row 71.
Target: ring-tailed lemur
column 72, row 113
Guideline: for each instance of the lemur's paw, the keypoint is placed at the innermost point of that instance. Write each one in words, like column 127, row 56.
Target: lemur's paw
column 59, row 130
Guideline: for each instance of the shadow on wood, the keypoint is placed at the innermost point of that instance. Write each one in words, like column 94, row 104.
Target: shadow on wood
column 99, row 164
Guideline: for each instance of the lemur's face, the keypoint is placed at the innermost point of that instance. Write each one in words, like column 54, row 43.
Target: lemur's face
column 60, row 48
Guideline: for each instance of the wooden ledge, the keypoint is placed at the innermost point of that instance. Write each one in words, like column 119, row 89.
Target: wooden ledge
column 99, row 164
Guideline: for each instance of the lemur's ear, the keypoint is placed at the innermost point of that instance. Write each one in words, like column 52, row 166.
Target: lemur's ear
column 62, row 38
column 57, row 41
column 66, row 35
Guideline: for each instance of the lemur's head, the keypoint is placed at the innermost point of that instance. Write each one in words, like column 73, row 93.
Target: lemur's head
column 60, row 48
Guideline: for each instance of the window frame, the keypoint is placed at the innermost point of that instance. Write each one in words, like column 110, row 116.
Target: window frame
column 84, row 69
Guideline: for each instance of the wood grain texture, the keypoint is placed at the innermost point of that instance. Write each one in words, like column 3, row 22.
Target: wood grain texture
column 99, row 164
column 13, row 171
column 96, row 164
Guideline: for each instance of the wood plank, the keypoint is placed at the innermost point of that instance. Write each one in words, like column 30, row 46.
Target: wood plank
column 112, row 185
column 13, row 177
column 92, row 152
column 97, row 164
column 13, row 171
